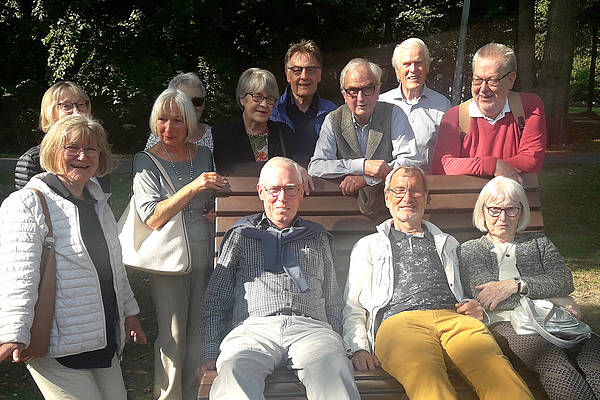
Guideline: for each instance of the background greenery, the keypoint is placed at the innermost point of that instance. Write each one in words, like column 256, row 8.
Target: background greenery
column 124, row 52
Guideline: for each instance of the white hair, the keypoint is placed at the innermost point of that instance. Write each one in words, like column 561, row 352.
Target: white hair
column 278, row 162
column 408, row 44
column 501, row 188
column 356, row 62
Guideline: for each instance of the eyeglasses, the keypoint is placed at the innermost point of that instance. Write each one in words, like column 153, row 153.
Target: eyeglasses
column 366, row 91
column 291, row 190
column 509, row 211
column 73, row 151
column 69, row 106
column 491, row 82
column 198, row 101
column 399, row 193
column 258, row 98
column 310, row 70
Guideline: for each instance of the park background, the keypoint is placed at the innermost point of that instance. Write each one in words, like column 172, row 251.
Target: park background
column 123, row 54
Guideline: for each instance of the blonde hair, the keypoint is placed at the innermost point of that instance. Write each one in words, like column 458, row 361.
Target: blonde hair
column 50, row 101
column 501, row 188
column 165, row 101
column 70, row 129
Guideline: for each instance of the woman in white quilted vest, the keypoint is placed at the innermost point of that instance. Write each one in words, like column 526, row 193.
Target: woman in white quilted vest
column 95, row 311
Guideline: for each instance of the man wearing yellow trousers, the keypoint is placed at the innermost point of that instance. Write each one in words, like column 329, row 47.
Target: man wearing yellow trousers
column 405, row 309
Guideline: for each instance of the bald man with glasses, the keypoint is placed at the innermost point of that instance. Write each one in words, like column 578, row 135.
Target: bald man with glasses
column 504, row 132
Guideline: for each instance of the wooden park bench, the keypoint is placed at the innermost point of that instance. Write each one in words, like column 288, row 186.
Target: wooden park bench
column 450, row 208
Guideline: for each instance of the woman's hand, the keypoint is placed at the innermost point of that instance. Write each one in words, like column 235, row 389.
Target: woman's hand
column 493, row 292
column 133, row 330
column 208, row 180
column 364, row 361
column 11, row 350
column 472, row 308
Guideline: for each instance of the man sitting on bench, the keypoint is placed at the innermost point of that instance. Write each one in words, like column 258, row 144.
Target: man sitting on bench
column 407, row 276
column 275, row 279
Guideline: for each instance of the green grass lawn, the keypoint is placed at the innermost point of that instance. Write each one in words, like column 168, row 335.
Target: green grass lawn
column 570, row 195
column 577, row 110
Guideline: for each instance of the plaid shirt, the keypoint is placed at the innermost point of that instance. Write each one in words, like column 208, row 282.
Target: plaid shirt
column 240, row 288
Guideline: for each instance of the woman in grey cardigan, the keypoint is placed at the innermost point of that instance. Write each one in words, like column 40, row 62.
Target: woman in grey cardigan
column 499, row 267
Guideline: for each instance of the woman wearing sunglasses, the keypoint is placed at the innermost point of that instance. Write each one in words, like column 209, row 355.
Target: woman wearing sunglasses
column 192, row 86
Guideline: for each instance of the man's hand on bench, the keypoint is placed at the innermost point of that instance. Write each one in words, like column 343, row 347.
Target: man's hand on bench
column 208, row 365
column 377, row 168
column 351, row 184
column 365, row 361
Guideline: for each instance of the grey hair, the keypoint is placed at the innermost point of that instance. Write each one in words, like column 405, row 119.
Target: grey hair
column 356, row 62
column 501, row 188
column 255, row 80
column 188, row 79
column 408, row 44
column 409, row 170
column 279, row 161
column 505, row 54
column 165, row 101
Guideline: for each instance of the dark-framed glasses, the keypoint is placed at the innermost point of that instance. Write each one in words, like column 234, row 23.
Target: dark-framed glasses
column 65, row 106
column 290, row 190
column 366, row 90
column 197, row 101
column 509, row 211
column 310, row 70
column 74, row 151
column 258, row 98
column 491, row 82
column 401, row 192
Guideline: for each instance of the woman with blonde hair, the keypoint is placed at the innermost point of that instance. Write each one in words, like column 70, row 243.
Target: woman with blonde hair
column 61, row 99
column 95, row 311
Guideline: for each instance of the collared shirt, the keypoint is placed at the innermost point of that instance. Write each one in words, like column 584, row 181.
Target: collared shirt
column 325, row 163
column 424, row 116
column 239, row 286
column 474, row 112
column 304, row 122
column 420, row 282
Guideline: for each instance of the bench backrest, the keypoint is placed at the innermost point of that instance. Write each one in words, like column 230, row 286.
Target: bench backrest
column 452, row 199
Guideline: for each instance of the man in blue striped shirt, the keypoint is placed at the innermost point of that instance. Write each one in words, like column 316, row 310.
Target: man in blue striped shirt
column 423, row 106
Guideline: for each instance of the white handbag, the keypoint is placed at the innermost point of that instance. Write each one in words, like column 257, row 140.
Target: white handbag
column 160, row 251
column 555, row 324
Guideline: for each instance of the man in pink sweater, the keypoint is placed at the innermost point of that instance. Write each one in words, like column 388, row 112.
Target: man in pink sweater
column 494, row 143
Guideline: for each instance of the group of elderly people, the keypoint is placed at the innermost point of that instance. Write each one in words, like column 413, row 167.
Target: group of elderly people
column 415, row 298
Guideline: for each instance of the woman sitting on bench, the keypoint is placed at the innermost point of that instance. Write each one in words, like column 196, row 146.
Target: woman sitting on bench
column 501, row 266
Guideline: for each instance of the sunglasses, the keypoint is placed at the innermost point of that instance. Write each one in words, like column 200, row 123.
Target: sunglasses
column 198, row 101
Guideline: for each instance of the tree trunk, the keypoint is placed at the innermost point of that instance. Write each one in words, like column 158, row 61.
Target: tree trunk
column 526, row 46
column 553, row 85
column 592, row 80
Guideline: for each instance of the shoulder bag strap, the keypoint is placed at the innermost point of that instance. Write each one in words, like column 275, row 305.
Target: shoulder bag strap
column 161, row 169
column 50, row 235
column 516, row 107
column 527, row 304
column 464, row 121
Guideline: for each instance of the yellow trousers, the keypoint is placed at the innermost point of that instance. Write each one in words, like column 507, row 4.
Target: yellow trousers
column 413, row 346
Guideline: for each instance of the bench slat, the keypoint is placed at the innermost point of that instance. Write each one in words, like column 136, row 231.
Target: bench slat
column 246, row 185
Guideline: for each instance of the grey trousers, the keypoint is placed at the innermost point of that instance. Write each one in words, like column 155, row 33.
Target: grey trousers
column 252, row 350
column 177, row 300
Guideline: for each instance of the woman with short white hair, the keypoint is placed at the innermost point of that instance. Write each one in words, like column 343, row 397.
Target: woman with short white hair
column 177, row 298
column 504, row 265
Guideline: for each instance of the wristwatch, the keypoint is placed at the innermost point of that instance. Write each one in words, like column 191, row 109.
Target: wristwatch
column 521, row 286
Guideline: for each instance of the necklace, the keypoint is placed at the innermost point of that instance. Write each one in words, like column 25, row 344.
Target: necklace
column 263, row 133
column 179, row 177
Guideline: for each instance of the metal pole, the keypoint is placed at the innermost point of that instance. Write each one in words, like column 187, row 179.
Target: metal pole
column 460, row 54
